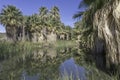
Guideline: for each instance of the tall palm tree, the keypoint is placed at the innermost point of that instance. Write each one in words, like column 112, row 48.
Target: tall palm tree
column 43, row 11
column 34, row 23
column 24, row 28
column 88, row 33
column 11, row 18
column 33, row 26
column 55, row 13
column 55, row 22
column 55, row 17
column 43, row 16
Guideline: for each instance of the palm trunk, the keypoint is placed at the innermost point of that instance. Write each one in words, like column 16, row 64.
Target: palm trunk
column 23, row 33
column 44, row 33
column 14, row 36
column 9, row 34
column 67, row 36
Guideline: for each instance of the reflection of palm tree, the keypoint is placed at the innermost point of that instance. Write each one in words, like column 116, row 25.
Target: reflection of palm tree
column 11, row 18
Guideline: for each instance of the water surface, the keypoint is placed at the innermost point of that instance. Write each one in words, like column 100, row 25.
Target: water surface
column 49, row 64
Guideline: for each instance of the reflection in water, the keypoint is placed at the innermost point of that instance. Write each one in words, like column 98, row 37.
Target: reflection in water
column 69, row 68
column 45, row 64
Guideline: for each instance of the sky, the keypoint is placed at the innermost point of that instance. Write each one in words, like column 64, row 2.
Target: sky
column 28, row 7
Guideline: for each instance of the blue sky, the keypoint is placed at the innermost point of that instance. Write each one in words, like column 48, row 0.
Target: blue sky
column 67, row 8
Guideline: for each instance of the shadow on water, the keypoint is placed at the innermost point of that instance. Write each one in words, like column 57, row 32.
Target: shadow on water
column 50, row 64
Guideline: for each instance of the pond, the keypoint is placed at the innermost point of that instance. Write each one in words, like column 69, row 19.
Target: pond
column 50, row 63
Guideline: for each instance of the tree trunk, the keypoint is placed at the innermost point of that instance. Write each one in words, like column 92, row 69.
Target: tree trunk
column 51, row 37
column 23, row 33
column 44, row 33
column 107, row 24
column 9, row 34
column 14, row 34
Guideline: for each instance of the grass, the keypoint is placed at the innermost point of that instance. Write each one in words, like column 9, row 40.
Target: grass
column 20, row 47
column 2, row 34
column 93, row 74
column 12, row 49
column 66, row 77
column 65, row 43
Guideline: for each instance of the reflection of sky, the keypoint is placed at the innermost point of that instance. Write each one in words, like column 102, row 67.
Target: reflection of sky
column 70, row 68
column 25, row 76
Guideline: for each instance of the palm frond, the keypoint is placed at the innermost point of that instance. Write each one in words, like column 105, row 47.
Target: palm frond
column 78, row 15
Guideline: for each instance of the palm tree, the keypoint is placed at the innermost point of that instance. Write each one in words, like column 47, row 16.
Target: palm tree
column 11, row 18
column 43, row 16
column 88, row 33
column 68, row 30
column 24, row 28
column 61, row 32
column 55, row 22
column 55, row 17
column 77, row 29
column 43, row 11
column 34, row 26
